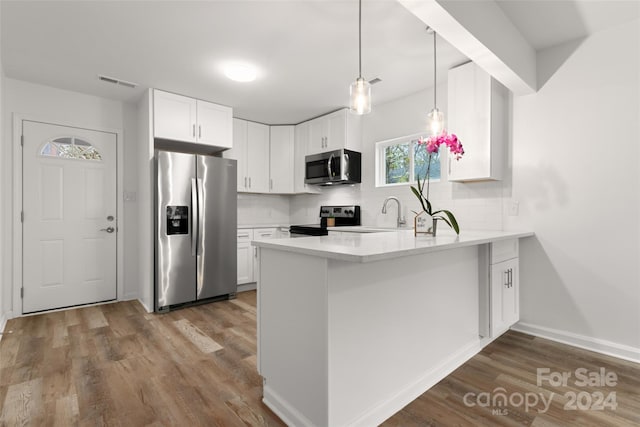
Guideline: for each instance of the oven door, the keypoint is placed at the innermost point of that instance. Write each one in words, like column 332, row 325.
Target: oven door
column 323, row 168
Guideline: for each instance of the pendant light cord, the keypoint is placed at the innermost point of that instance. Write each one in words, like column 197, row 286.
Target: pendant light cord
column 434, row 70
column 360, row 38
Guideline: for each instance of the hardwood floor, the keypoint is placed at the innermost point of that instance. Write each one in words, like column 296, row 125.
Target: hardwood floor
column 117, row 365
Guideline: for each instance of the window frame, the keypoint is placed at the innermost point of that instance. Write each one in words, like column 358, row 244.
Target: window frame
column 380, row 160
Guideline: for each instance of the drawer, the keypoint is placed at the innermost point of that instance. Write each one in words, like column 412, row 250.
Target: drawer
column 503, row 250
column 245, row 235
column 264, row 233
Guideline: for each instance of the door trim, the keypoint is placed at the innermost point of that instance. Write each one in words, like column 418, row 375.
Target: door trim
column 17, row 246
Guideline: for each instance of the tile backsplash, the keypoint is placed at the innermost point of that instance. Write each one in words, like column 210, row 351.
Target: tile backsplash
column 476, row 205
column 263, row 209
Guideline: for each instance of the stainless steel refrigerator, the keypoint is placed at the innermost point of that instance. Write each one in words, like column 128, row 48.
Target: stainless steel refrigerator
column 195, row 222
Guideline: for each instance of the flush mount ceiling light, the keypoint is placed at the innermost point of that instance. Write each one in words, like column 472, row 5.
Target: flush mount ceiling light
column 435, row 119
column 360, row 90
column 240, row 72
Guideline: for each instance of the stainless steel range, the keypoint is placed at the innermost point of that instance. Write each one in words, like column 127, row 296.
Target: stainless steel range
column 330, row 216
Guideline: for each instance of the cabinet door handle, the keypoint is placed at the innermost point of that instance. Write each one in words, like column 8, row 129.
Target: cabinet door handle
column 249, row 182
column 506, row 278
column 245, row 182
column 270, row 184
column 194, row 130
column 199, row 131
column 255, row 252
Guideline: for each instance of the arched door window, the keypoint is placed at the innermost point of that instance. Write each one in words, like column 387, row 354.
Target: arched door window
column 70, row 147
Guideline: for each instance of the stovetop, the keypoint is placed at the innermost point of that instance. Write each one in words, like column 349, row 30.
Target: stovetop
column 340, row 215
column 309, row 230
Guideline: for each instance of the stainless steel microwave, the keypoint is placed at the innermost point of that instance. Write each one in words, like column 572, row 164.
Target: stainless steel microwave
column 333, row 167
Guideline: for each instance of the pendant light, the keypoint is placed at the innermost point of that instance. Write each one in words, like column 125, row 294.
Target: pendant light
column 360, row 90
column 435, row 119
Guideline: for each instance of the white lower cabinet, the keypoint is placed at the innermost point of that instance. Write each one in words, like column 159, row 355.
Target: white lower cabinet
column 247, row 254
column 504, row 286
column 505, row 310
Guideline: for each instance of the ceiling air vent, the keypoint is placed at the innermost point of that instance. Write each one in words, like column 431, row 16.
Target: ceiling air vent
column 117, row 81
column 374, row 81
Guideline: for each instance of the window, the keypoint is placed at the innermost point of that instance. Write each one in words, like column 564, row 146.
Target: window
column 70, row 148
column 401, row 160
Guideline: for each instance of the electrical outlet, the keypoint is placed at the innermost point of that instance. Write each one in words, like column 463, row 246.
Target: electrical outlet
column 514, row 208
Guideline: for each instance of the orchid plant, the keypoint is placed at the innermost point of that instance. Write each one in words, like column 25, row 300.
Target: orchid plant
column 432, row 145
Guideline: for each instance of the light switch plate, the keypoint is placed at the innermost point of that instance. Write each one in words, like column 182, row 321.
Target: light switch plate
column 129, row 196
column 514, row 208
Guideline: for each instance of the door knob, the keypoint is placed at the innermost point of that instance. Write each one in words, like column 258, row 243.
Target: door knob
column 108, row 229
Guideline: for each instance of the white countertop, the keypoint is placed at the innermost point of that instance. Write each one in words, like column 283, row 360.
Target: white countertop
column 243, row 226
column 368, row 247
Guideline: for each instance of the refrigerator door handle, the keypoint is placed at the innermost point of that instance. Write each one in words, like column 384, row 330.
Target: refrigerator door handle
column 195, row 220
column 200, row 249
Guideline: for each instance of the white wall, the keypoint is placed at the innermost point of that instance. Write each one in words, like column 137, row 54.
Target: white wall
column 3, row 194
column 61, row 106
column 129, row 226
column 475, row 205
column 576, row 175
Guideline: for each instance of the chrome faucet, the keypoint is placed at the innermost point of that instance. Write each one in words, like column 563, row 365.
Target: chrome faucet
column 400, row 220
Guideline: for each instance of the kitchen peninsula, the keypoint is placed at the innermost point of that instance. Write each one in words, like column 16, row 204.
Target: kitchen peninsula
column 354, row 326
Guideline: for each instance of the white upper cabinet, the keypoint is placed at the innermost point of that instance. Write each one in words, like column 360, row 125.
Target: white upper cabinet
column 257, row 157
column 281, row 159
column 477, row 110
column 265, row 157
column 336, row 130
column 301, row 145
column 174, row 116
column 214, row 124
column 181, row 118
column 239, row 152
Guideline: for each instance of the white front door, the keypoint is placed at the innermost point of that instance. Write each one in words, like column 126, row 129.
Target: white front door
column 70, row 224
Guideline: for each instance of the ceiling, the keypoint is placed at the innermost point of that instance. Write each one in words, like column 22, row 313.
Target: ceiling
column 546, row 23
column 305, row 50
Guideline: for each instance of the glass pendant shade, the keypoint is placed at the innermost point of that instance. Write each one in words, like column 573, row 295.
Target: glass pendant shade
column 360, row 92
column 435, row 122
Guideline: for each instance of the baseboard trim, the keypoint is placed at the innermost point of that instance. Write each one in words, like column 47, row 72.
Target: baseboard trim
column 283, row 410
column 3, row 324
column 247, row 287
column 383, row 411
column 144, row 305
column 129, row 297
column 608, row 348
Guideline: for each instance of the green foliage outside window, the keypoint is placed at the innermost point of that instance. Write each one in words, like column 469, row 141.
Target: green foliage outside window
column 397, row 158
column 397, row 163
